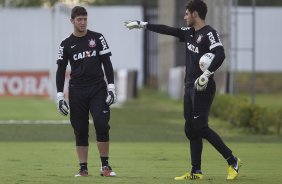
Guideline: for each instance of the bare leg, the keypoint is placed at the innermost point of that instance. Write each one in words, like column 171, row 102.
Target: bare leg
column 106, row 170
column 82, row 153
column 103, row 148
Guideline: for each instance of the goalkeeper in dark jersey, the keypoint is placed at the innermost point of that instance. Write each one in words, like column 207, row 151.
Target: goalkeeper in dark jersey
column 87, row 52
column 200, row 86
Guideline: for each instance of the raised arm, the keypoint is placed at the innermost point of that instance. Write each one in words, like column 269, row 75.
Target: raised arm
column 158, row 28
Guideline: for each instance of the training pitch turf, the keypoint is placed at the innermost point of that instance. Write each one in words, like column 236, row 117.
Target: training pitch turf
column 148, row 146
column 154, row 163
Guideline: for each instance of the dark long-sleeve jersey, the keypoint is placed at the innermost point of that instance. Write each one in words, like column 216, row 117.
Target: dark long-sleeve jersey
column 197, row 43
column 86, row 56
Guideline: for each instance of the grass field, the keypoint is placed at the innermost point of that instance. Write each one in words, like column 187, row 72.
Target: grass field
column 272, row 101
column 148, row 162
column 148, row 146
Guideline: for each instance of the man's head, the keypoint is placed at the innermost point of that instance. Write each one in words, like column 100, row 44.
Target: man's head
column 79, row 19
column 78, row 11
column 195, row 10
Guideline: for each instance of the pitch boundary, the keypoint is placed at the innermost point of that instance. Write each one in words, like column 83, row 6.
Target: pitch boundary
column 36, row 122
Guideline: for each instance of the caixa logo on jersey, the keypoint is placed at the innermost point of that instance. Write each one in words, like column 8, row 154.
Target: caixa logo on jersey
column 85, row 54
column 192, row 48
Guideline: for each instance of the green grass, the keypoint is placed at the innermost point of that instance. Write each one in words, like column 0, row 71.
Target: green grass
column 148, row 145
column 266, row 82
column 152, row 116
column 28, row 108
column 270, row 101
column 149, row 162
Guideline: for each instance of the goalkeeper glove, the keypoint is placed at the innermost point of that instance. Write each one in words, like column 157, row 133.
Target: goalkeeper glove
column 131, row 24
column 112, row 97
column 62, row 105
column 201, row 82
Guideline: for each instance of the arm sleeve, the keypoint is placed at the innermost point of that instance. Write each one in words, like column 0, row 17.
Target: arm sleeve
column 60, row 77
column 218, row 59
column 217, row 49
column 62, row 63
column 167, row 30
column 108, row 68
column 103, row 46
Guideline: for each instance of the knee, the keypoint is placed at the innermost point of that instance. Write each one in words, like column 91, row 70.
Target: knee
column 81, row 139
column 190, row 133
column 102, row 136
column 81, row 132
column 203, row 131
column 102, row 127
column 201, row 126
column 102, row 133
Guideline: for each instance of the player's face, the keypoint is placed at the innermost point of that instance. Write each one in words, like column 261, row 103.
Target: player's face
column 188, row 16
column 80, row 23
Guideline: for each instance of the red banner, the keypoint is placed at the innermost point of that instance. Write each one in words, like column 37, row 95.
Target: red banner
column 24, row 83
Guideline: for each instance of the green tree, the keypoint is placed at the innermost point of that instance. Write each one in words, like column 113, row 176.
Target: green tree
column 37, row 3
column 125, row 2
column 22, row 3
column 260, row 2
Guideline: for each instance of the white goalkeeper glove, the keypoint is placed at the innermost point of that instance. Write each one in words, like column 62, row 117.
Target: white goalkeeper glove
column 135, row 24
column 112, row 96
column 201, row 82
column 62, row 106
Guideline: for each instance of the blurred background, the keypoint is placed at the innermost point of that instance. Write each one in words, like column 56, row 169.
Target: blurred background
column 37, row 144
column 31, row 31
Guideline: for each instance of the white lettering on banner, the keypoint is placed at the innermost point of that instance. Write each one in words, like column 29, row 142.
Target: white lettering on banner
column 2, row 82
column 15, row 85
column 30, row 85
column 43, row 85
column 26, row 85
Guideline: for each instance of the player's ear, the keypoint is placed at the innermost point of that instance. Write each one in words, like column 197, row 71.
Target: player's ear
column 195, row 14
column 72, row 21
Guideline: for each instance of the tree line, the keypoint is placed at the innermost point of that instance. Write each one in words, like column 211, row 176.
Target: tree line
column 50, row 3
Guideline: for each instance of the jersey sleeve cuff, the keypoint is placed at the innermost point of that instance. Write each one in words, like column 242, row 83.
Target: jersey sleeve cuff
column 111, row 86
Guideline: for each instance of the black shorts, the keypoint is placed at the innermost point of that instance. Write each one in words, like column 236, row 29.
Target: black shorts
column 198, row 103
column 83, row 100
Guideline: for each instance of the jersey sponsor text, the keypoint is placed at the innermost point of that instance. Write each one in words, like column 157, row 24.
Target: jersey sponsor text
column 185, row 28
column 60, row 53
column 211, row 38
column 192, row 48
column 213, row 42
column 85, row 54
column 103, row 42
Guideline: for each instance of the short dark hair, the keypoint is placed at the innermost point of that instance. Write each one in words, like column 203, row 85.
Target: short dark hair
column 199, row 6
column 77, row 11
